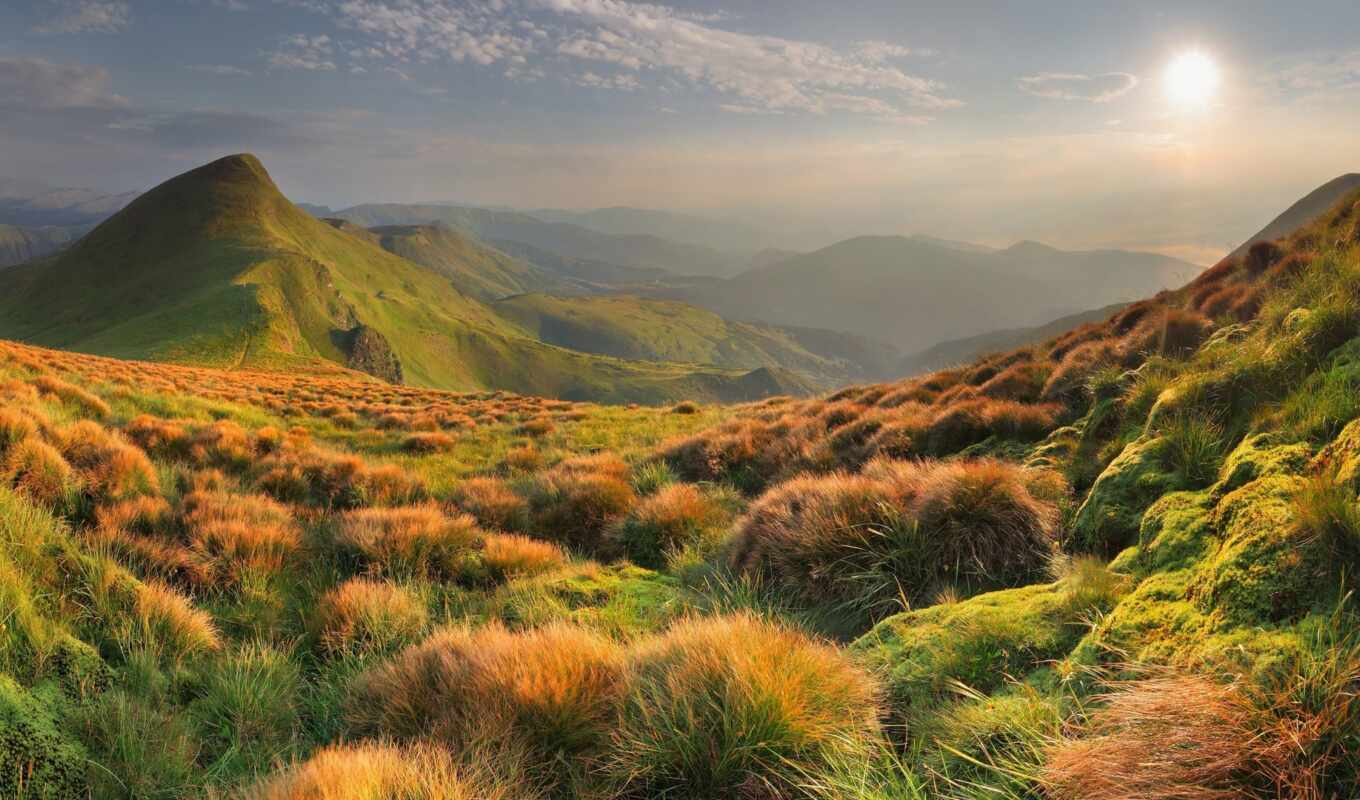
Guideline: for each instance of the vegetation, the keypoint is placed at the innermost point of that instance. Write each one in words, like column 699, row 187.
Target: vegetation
column 1118, row 564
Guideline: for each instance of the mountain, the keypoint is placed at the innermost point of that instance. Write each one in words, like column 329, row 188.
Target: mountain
column 913, row 292
column 216, row 267
column 962, row 351
column 582, row 271
column 31, row 204
column 574, row 241
column 771, row 256
column 320, row 212
column 1305, row 211
column 19, row 244
column 723, row 235
column 474, row 268
column 660, row 330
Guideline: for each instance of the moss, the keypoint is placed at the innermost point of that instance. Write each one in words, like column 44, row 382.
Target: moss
column 1260, row 455
column 623, row 599
column 1342, row 456
column 921, row 654
column 37, row 760
column 1110, row 517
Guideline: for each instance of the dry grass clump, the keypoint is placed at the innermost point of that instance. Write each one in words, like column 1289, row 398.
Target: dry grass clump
column 240, row 532
column 429, row 442
column 141, row 515
column 507, row 555
column 677, row 515
column 554, row 689
column 1079, row 364
column 73, row 395
column 414, row 541
column 1164, row 737
column 383, row 772
column 522, row 459
column 494, row 504
column 575, row 507
column 15, row 426
column 536, row 427
column 169, row 622
column 35, row 468
column 317, row 477
column 362, row 614
column 899, row 530
column 110, row 468
column 1170, row 332
column 738, row 707
column 685, row 407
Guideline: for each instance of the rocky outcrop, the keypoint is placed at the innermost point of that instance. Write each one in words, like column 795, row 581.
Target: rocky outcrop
column 369, row 351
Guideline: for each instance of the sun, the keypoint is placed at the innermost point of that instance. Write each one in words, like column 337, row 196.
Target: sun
column 1192, row 79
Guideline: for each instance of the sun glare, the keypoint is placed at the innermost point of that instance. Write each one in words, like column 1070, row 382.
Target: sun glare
column 1192, row 79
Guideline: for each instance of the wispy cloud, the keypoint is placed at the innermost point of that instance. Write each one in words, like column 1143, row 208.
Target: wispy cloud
column 86, row 16
column 1100, row 88
column 301, row 51
column 36, row 83
column 1324, row 76
column 639, row 43
column 225, row 70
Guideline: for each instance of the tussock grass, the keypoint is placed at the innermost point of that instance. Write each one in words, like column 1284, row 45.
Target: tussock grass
column 413, row 541
column 362, row 615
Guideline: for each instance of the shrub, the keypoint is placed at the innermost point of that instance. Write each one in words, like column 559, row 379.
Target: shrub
column 554, row 689
column 374, row 771
column 425, row 443
column 361, row 615
column 575, row 509
column 685, row 407
column 413, row 541
column 674, row 517
column 735, row 706
column 1168, row 736
column 899, row 530
column 506, row 556
column 493, row 504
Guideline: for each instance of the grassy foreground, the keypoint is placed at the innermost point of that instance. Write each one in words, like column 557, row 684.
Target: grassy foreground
column 1115, row 565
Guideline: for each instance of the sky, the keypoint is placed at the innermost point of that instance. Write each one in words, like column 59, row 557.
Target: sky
column 1053, row 120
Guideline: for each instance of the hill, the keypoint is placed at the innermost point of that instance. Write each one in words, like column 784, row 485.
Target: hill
column 659, row 330
column 722, row 235
column 963, row 351
column 1117, row 563
column 1305, row 211
column 18, row 244
column 216, row 267
column 598, row 275
column 913, row 291
column 566, row 239
column 34, row 205
column 474, row 268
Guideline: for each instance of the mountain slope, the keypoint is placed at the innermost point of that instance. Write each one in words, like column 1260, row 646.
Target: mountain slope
column 645, row 251
column 474, row 268
column 722, row 235
column 659, row 330
column 912, row 291
column 217, row 267
column 20, row 244
column 1306, row 210
column 34, row 205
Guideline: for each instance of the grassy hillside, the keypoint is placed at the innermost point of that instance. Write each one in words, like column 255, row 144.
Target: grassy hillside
column 18, row 244
column 1116, row 564
column 1303, row 213
column 216, row 267
column 639, row 250
column 474, row 268
column 658, row 330
column 913, row 292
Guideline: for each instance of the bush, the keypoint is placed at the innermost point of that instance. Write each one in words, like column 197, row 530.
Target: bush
column 737, row 707
column 493, row 504
column 898, row 531
column 361, row 615
column 678, row 515
column 685, row 407
column 554, row 689
column 374, row 771
column 415, row 541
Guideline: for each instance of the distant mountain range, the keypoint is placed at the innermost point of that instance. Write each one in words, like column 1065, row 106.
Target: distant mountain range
column 19, row 244
column 35, row 205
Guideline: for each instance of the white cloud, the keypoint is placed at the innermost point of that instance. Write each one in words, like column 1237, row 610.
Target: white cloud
column 530, row 38
column 86, row 16
column 301, row 51
column 36, row 83
column 1074, row 86
column 1319, row 77
column 224, row 70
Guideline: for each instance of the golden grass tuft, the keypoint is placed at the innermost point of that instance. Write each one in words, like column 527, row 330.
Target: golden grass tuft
column 169, row 622
column 410, row 541
column 677, row 515
column 363, row 614
column 428, row 442
column 375, row 771
column 494, row 504
column 507, row 555
column 35, row 468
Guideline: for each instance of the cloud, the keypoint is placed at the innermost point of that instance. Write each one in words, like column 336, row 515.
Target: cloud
column 1318, row 78
column 531, row 38
column 86, row 16
column 219, row 69
column 36, row 83
column 301, row 51
column 1073, row 86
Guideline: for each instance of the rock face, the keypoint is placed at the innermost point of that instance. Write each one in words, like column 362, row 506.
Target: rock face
column 370, row 352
